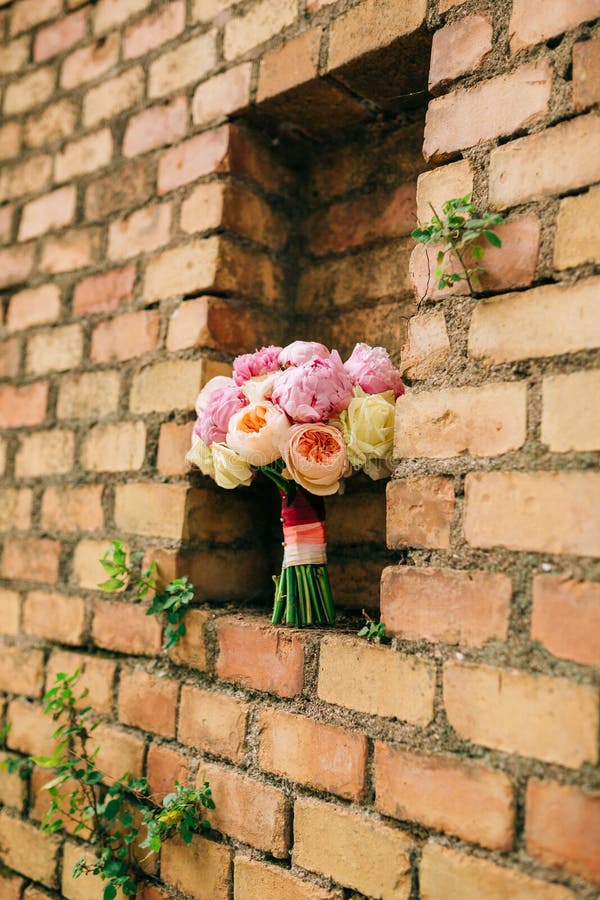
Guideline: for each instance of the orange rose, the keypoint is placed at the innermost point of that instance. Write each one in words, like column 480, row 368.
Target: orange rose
column 316, row 458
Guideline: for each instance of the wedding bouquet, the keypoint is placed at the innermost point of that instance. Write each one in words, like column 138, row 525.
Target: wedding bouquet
column 306, row 421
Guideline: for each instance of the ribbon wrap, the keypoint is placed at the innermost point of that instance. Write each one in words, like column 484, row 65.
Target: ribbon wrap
column 304, row 537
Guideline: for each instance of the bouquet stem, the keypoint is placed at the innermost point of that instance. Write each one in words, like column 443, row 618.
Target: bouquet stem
column 302, row 590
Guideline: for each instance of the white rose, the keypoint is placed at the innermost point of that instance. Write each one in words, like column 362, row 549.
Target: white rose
column 231, row 470
column 201, row 456
column 368, row 426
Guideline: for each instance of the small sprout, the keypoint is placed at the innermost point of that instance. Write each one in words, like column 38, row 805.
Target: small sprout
column 373, row 631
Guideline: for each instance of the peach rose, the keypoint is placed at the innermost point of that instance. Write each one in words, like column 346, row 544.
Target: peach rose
column 258, row 432
column 316, row 458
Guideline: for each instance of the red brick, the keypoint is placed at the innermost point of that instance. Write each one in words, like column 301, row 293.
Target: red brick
column 324, row 757
column 21, row 671
column 148, row 701
column 185, row 64
column 192, row 159
column 114, row 447
column 545, row 512
column 180, row 864
column 71, row 250
column 222, row 95
column 31, row 851
column 173, row 443
column 566, row 617
column 260, row 657
column 563, row 828
column 460, row 48
column 31, row 559
column 16, row 264
column 463, row 798
column 494, row 108
column 34, row 306
column 156, row 127
column 94, row 151
column 515, row 711
column 24, row 405
column 190, row 651
column 28, row 13
column 214, row 723
column 104, row 293
column 586, row 74
column 248, row 809
column 15, row 509
column 534, row 21
column 420, row 512
column 125, row 628
column 72, row 509
column 144, row 230
column 59, row 36
column 47, row 213
column 89, row 395
column 113, row 96
column 10, row 612
column 97, row 676
column 54, row 617
column 126, row 336
column 292, row 63
column 165, row 766
column 154, row 30
column 463, row 607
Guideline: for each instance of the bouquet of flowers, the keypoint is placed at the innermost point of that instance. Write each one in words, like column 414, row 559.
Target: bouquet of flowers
column 306, row 421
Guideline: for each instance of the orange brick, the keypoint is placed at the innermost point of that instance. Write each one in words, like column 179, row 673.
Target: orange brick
column 324, row 757
column 15, row 264
column 173, row 443
column 459, row 49
column 113, row 96
column 191, row 649
column 152, row 509
column 10, row 362
column 500, row 106
column 148, row 701
column 183, row 65
column 569, row 420
column 563, row 828
column 436, row 604
column 12, row 793
column 115, row 447
column 352, row 849
column 532, row 167
column 480, row 421
column 10, row 140
column 45, row 453
column 28, row 13
column 85, row 155
column 586, row 74
column 254, row 879
column 351, row 671
column 90, row 62
column 211, row 722
column 41, row 799
column 24, row 405
column 293, row 63
column 55, row 350
column 71, row 250
column 10, row 612
column 180, row 864
column 31, row 729
column 156, row 127
column 165, row 766
column 574, row 245
column 29, row 850
column 172, row 384
column 33, row 306
column 534, row 22
column 119, row 752
column 85, row 886
column 29, row 177
column 87, row 571
column 462, row 798
column 420, row 512
column 31, row 559
column 260, row 657
column 90, row 395
column 222, row 95
column 52, row 123
column 72, row 509
column 15, row 509
column 60, row 36
column 247, row 809
column 446, row 873
column 125, row 628
column 516, row 712
column 258, row 24
column 548, row 512
column 441, row 184
column 104, row 293
column 152, row 31
column 97, row 677
column 110, row 13
column 21, row 671
column 29, row 91
column 54, row 617
column 566, row 617
column 126, row 336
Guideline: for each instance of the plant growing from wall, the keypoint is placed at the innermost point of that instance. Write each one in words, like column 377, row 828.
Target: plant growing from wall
column 459, row 233
column 171, row 603
column 373, row 631
column 120, row 820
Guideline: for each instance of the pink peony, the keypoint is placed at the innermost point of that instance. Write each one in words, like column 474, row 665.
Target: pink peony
column 299, row 352
column 261, row 362
column 313, row 391
column 213, row 422
column 372, row 369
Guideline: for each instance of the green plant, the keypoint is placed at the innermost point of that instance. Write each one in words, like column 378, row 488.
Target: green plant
column 14, row 764
column 172, row 602
column 459, row 232
column 117, row 816
column 373, row 631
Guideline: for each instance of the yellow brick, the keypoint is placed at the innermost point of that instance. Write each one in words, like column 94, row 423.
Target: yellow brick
column 172, row 384
column 28, row 850
column 114, row 448
column 255, row 880
column 181, row 865
column 575, row 242
column 113, row 96
column 570, row 419
column 262, row 21
column 185, row 64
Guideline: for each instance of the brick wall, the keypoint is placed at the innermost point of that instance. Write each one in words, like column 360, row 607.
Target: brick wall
column 181, row 181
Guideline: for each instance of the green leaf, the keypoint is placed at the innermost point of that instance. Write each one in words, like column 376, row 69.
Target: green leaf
column 111, row 585
column 477, row 251
column 110, row 892
column 493, row 238
column 112, row 808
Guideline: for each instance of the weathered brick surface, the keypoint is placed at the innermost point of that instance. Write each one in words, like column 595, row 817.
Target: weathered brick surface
column 254, row 879
column 27, row 849
column 574, row 244
column 420, row 512
column 213, row 722
column 565, row 617
column 280, row 657
column 568, row 419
